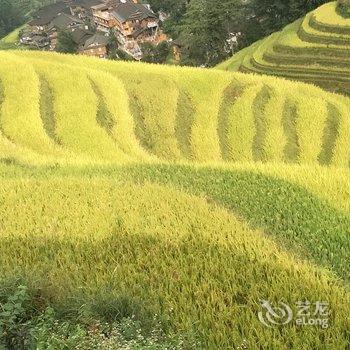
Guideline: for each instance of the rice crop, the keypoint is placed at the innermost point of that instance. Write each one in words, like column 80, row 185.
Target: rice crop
column 180, row 194
column 314, row 49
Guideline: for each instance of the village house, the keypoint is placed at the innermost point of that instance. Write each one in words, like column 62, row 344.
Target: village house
column 135, row 24
column 95, row 45
column 60, row 23
column 80, row 9
column 80, row 35
column 83, row 8
column 43, row 17
column 102, row 18
column 35, row 40
column 92, row 22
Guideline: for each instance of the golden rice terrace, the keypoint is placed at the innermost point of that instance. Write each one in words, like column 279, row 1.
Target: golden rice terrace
column 313, row 49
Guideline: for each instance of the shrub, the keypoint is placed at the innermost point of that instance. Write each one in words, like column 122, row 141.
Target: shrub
column 343, row 7
column 65, row 42
column 23, row 326
column 13, row 327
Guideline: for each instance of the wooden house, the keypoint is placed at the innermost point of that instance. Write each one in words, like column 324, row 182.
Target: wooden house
column 135, row 22
column 95, row 46
column 43, row 17
column 103, row 18
column 83, row 8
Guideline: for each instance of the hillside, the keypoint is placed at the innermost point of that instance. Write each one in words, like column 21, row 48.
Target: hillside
column 147, row 196
column 313, row 49
column 126, row 112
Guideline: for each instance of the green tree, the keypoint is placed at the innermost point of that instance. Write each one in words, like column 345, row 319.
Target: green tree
column 343, row 8
column 65, row 42
column 155, row 53
column 272, row 15
column 174, row 9
column 207, row 26
column 10, row 17
column 206, row 29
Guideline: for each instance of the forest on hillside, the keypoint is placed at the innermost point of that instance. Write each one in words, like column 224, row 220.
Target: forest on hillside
column 207, row 32
column 14, row 13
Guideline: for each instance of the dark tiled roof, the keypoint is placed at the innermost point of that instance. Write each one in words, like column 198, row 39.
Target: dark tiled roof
column 131, row 11
column 115, row 3
column 38, row 38
column 96, row 39
column 81, row 35
column 46, row 14
column 63, row 21
column 86, row 4
column 100, row 7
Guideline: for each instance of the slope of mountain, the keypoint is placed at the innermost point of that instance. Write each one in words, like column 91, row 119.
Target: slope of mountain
column 128, row 112
column 142, row 191
column 314, row 49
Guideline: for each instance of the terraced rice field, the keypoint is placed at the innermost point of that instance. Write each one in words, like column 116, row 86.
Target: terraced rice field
column 151, row 113
column 192, row 194
column 314, row 49
column 11, row 40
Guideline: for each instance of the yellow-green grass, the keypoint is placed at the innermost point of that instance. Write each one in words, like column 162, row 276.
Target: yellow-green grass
column 327, row 15
column 266, row 58
column 21, row 122
column 170, row 187
column 315, row 121
column 71, row 114
column 192, row 262
column 197, row 87
column 288, row 38
column 12, row 38
column 86, row 235
column 318, row 36
column 128, row 112
column 276, row 189
column 286, row 211
column 241, row 128
column 310, row 49
column 290, row 42
column 237, row 60
column 275, row 140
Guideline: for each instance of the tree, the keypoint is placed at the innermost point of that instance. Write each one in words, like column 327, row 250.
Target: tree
column 10, row 17
column 155, row 53
column 207, row 28
column 343, row 8
column 273, row 15
column 169, row 6
column 65, row 42
column 175, row 10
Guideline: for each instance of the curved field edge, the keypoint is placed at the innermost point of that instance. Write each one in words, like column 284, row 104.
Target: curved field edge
column 313, row 49
column 234, row 128
column 305, row 210
column 295, row 218
column 330, row 184
column 195, row 244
